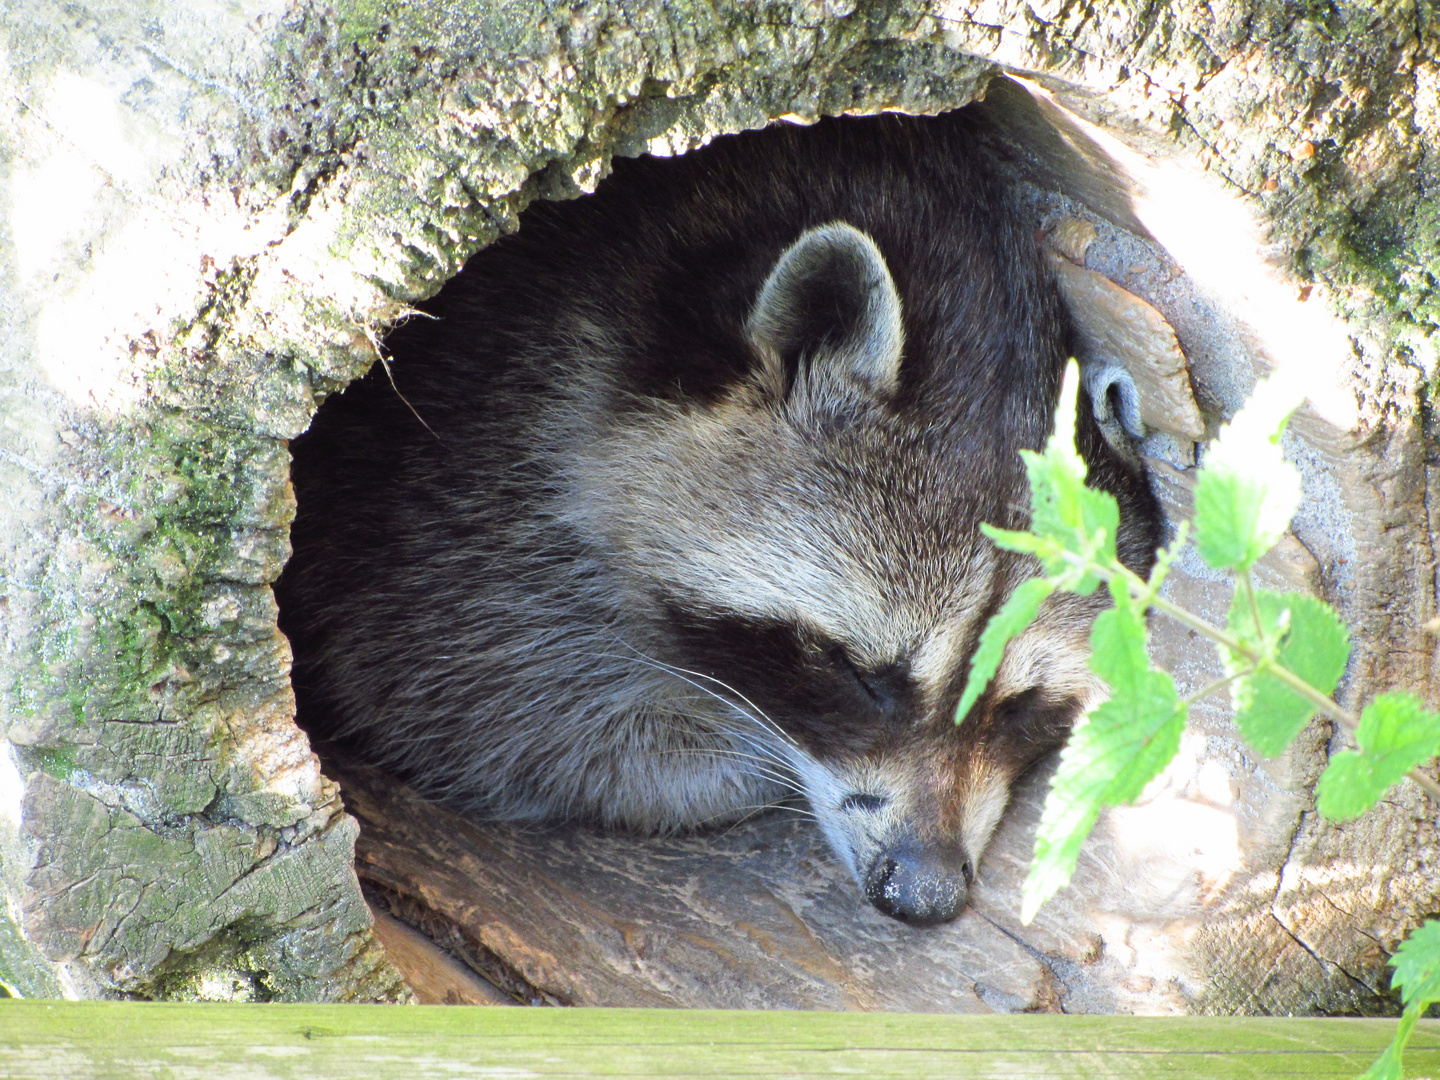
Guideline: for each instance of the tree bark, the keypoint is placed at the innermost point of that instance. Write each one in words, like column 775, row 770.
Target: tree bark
column 214, row 212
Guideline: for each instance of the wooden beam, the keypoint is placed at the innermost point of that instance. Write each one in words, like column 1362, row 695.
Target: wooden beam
column 42, row 1040
column 435, row 977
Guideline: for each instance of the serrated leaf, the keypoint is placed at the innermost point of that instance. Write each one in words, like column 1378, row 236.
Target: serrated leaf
column 1079, row 519
column 1007, row 623
column 1026, row 543
column 1111, row 755
column 1417, row 966
column 1232, row 529
column 1396, row 733
column 1301, row 634
column 1143, row 701
column 1245, row 492
column 1417, row 977
column 1065, row 515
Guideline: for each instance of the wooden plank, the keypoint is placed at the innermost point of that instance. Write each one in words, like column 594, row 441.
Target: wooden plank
column 433, row 976
column 131, row 1041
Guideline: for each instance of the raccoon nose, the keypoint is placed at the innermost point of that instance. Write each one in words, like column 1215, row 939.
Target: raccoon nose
column 920, row 886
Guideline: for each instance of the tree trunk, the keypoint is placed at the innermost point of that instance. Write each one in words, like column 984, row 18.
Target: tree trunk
column 213, row 214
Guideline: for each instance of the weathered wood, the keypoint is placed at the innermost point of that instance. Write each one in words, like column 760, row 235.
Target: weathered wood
column 434, row 977
column 1119, row 326
column 759, row 916
column 104, row 1041
column 762, row 915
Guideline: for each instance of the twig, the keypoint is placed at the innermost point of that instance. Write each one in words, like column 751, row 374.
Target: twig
column 1218, row 684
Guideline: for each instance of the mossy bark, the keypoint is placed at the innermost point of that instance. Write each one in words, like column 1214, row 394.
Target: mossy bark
column 214, row 211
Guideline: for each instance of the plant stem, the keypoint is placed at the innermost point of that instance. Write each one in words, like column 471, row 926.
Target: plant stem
column 1323, row 704
column 1426, row 783
column 1249, row 587
column 1179, row 614
column 1210, row 688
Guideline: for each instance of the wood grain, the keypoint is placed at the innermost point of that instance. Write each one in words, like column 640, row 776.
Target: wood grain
column 763, row 916
column 433, row 976
column 760, row 916
column 126, row 1041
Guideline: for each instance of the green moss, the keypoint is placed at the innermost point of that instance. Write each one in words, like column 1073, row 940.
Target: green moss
column 1395, row 248
column 1382, row 259
column 228, row 967
column 57, row 761
column 156, row 532
column 23, row 974
column 121, row 654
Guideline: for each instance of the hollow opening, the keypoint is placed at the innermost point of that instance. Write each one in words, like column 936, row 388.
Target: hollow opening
column 765, row 911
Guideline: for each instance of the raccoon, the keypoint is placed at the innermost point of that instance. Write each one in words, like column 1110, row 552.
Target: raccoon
column 667, row 509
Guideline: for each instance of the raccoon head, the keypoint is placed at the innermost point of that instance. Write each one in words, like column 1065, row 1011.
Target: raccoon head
column 809, row 549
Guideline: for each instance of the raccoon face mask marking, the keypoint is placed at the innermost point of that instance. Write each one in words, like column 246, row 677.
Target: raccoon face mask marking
column 691, row 524
column 907, row 800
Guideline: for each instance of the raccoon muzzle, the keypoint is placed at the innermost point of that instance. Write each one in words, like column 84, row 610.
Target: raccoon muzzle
column 920, row 886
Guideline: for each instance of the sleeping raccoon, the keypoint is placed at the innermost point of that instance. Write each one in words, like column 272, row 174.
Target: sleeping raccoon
column 672, row 510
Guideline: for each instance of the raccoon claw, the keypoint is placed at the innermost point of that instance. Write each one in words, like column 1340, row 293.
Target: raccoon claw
column 919, row 888
column 1116, row 405
column 1115, row 399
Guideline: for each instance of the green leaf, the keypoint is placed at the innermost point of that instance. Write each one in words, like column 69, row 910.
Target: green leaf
column 1080, row 520
column 1297, row 632
column 1417, row 976
column 1417, row 966
column 1009, row 622
column 1396, row 733
column 1114, row 751
column 1026, row 543
column 1229, row 531
column 1246, row 493
column 1070, row 527
column 1070, row 524
column 1387, row 1066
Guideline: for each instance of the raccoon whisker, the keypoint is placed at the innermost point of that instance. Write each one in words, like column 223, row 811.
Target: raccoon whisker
column 759, row 808
column 762, row 721
column 761, row 752
column 761, row 749
column 679, row 671
column 755, row 714
column 722, row 751
column 771, row 765
column 764, row 772
column 757, row 717
column 803, row 812
column 748, row 735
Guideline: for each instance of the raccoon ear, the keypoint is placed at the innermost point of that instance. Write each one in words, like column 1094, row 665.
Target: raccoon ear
column 827, row 321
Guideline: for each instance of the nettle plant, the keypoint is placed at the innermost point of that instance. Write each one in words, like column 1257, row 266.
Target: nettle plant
column 1283, row 655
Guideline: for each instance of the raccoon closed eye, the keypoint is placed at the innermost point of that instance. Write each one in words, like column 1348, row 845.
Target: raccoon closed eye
column 1031, row 716
column 887, row 688
column 842, row 663
column 860, row 800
